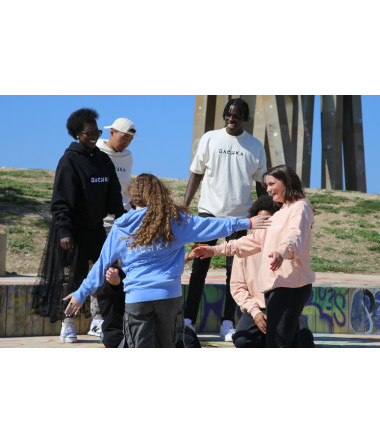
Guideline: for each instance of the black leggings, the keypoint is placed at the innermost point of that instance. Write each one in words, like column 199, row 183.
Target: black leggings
column 198, row 277
column 284, row 307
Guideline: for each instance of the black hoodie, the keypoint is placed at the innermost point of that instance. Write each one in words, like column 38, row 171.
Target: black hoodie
column 86, row 189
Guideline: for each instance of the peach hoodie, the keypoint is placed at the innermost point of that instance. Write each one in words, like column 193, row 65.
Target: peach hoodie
column 290, row 235
column 244, row 285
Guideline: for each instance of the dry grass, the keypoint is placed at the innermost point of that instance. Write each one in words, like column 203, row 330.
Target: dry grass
column 346, row 235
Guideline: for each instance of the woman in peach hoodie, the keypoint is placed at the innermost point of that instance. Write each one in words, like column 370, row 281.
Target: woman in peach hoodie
column 285, row 275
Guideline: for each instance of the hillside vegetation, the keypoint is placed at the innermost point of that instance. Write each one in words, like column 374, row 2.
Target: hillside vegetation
column 346, row 235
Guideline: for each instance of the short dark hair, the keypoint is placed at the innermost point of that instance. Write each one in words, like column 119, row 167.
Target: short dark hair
column 242, row 106
column 263, row 203
column 293, row 186
column 76, row 120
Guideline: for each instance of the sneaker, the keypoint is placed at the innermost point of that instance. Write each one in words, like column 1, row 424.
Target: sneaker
column 96, row 327
column 227, row 330
column 68, row 334
column 189, row 323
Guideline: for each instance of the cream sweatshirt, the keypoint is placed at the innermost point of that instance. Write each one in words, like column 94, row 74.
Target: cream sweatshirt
column 290, row 235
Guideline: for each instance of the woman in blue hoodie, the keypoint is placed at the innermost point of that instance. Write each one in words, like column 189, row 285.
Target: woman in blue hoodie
column 150, row 243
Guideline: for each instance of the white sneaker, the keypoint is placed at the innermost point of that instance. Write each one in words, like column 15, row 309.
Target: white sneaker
column 96, row 327
column 189, row 323
column 227, row 330
column 68, row 334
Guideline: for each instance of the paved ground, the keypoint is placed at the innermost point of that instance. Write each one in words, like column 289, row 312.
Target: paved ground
column 207, row 341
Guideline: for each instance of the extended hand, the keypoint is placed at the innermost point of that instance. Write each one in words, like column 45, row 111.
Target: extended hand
column 277, row 260
column 203, row 252
column 261, row 222
column 73, row 307
column 189, row 256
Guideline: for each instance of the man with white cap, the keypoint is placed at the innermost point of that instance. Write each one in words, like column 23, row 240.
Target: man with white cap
column 121, row 134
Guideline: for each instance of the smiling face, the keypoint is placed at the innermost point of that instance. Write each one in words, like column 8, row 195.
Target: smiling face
column 119, row 140
column 89, row 134
column 276, row 188
column 234, row 121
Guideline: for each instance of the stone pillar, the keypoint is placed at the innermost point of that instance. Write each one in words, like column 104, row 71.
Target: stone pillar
column 284, row 124
column 204, row 116
column 251, row 100
column 273, row 131
column 331, row 124
column 305, row 136
column 353, row 144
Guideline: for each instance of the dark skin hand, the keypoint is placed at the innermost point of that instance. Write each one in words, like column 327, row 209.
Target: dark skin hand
column 67, row 243
column 261, row 321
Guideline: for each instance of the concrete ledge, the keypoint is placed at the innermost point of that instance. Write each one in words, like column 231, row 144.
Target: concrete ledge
column 341, row 307
column 17, row 318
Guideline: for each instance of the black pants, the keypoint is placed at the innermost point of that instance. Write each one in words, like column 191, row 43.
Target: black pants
column 248, row 335
column 198, row 277
column 152, row 324
column 284, row 307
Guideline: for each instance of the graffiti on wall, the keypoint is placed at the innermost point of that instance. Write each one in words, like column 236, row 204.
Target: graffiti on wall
column 365, row 311
column 210, row 308
column 328, row 310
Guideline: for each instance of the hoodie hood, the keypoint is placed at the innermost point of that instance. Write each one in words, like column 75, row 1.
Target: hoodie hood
column 131, row 221
column 102, row 145
column 82, row 150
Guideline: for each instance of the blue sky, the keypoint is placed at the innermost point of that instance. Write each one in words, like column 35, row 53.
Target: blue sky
column 35, row 136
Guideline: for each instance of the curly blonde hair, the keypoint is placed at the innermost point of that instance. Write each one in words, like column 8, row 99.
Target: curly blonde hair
column 148, row 191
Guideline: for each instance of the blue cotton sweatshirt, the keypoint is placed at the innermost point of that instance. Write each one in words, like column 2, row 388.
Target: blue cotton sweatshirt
column 153, row 272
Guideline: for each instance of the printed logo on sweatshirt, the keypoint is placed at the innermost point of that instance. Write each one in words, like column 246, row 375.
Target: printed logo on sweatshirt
column 228, row 152
column 99, row 179
column 150, row 248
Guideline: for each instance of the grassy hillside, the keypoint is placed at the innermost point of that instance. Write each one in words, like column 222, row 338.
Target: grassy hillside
column 346, row 235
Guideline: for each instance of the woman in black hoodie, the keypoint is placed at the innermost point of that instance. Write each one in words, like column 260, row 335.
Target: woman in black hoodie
column 86, row 189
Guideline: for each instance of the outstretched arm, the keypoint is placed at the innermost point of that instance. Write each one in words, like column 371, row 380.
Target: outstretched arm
column 242, row 247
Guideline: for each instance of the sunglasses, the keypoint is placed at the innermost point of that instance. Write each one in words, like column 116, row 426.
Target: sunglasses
column 97, row 133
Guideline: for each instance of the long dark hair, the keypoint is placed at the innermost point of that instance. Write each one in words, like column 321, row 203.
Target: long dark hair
column 293, row 187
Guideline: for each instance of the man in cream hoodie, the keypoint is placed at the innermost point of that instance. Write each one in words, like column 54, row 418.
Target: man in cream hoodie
column 121, row 134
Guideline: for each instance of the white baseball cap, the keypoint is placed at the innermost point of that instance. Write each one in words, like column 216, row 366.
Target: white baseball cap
column 123, row 125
